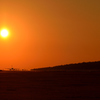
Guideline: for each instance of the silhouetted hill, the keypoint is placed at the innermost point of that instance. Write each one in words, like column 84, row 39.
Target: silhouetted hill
column 85, row 66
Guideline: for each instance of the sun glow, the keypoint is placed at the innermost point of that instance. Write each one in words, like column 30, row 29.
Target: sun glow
column 4, row 33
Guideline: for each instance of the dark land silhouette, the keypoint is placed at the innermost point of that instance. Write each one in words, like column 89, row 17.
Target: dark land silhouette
column 54, row 84
column 85, row 66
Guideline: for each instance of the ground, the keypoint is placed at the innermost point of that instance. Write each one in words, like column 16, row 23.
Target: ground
column 70, row 85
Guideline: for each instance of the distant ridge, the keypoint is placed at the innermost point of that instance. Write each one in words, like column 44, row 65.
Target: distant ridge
column 85, row 66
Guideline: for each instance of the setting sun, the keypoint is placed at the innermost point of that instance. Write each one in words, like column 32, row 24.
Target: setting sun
column 4, row 33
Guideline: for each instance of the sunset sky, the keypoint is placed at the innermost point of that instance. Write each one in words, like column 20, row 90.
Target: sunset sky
column 44, row 33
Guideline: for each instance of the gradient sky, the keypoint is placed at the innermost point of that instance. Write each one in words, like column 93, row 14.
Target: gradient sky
column 45, row 33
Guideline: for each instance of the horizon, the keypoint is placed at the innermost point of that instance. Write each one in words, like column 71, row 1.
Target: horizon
column 49, row 33
column 18, row 69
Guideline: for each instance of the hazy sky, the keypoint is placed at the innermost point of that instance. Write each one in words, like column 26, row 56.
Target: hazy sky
column 45, row 33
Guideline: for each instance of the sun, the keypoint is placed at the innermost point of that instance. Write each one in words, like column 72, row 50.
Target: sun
column 4, row 33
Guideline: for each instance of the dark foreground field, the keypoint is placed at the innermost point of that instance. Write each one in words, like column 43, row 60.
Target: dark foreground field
column 50, row 85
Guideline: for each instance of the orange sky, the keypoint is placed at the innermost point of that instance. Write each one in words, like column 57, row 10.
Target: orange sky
column 45, row 33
